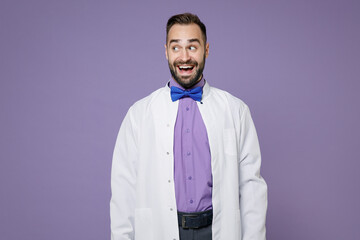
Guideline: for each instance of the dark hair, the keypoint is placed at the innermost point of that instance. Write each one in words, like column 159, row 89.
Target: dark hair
column 185, row 19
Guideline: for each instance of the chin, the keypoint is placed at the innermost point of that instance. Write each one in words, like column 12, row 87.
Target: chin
column 187, row 83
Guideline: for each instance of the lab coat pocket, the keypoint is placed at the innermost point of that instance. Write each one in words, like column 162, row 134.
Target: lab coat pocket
column 230, row 146
column 143, row 224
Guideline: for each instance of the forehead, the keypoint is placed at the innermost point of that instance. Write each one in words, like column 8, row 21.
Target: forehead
column 184, row 32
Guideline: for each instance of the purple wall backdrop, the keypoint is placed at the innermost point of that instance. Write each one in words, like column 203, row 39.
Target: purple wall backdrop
column 67, row 76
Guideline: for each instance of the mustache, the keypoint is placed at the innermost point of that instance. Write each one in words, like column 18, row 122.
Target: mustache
column 189, row 62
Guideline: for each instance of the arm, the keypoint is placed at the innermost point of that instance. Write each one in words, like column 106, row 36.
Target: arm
column 123, row 181
column 253, row 189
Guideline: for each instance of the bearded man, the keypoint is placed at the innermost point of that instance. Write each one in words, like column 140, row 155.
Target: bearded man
column 186, row 163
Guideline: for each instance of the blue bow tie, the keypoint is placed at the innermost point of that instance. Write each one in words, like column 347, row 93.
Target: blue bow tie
column 177, row 93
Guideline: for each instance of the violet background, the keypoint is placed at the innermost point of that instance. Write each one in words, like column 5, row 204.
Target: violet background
column 69, row 70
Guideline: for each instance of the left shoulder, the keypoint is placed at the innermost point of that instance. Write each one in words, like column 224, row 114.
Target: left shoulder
column 233, row 102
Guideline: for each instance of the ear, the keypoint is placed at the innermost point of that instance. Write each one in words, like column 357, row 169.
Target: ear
column 206, row 50
column 166, row 54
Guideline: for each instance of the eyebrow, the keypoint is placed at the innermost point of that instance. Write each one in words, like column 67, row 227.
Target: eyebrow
column 189, row 40
column 194, row 40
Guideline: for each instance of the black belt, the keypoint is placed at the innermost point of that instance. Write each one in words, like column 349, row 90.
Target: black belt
column 196, row 219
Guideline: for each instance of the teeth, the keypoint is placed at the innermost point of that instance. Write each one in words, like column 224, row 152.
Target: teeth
column 185, row 67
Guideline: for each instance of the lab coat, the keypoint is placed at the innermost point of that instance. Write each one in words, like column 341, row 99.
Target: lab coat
column 143, row 205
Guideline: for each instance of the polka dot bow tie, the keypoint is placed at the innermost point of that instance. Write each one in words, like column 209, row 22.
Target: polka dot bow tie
column 177, row 93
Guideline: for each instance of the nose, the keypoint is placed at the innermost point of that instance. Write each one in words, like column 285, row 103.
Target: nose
column 185, row 56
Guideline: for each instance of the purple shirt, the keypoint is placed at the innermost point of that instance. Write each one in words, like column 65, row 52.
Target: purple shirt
column 192, row 159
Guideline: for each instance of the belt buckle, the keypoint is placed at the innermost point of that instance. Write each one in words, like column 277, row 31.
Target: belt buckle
column 183, row 220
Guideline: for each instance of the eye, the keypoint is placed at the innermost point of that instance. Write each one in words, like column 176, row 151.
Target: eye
column 175, row 49
column 192, row 48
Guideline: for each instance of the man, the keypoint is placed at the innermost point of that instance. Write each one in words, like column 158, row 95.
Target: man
column 186, row 163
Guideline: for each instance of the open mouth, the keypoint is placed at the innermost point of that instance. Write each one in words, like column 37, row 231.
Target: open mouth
column 185, row 69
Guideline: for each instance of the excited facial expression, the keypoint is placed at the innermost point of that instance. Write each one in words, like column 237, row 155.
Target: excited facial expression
column 186, row 52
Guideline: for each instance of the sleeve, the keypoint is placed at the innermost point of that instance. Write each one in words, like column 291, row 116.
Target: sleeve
column 123, row 181
column 253, row 189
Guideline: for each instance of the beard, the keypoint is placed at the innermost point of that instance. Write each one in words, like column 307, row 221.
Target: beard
column 188, row 81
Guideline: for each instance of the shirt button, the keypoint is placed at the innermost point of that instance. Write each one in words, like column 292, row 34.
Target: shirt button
column 169, row 181
column 191, row 201
column 171, row 209
column 168, row 125
column 188, row 153
column 190, row 177
column 187, row 108
column 187, row 130
column 167, row 153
